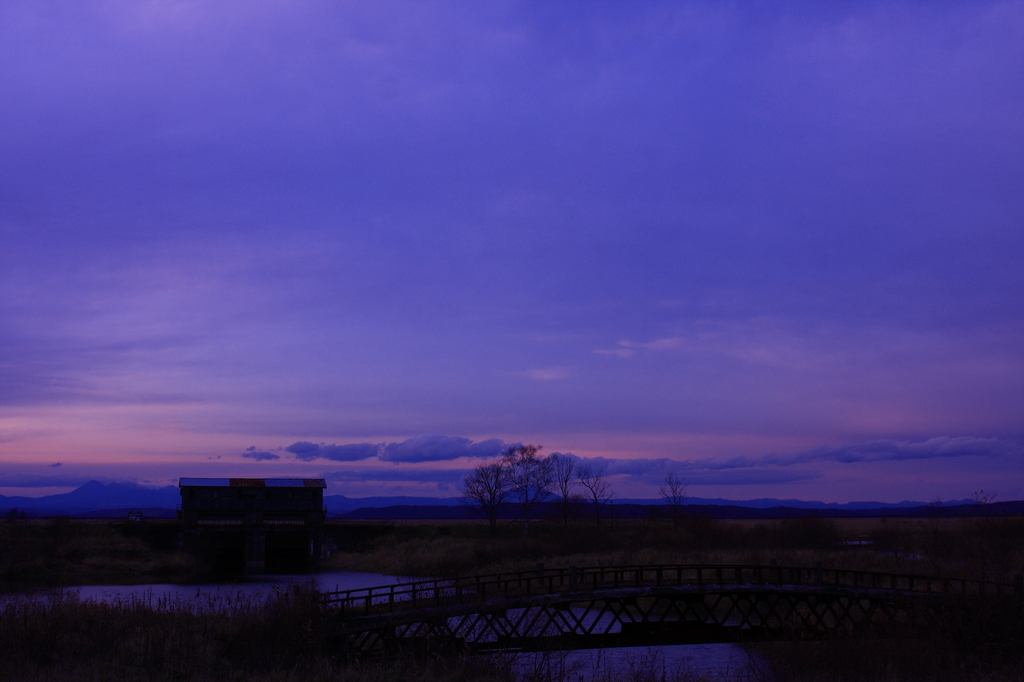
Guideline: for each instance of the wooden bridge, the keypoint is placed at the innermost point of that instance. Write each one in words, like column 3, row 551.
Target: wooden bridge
column 592, row 607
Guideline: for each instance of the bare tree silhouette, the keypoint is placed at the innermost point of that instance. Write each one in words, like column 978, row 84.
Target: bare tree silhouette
column 485, row 488
column 565, row 482
column 530, row 478
column 674, row 492
column 596, row 485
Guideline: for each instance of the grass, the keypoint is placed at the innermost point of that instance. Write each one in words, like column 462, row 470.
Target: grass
column 61, row 638
column 62, row 552
column 969, row 548
column 59, row 551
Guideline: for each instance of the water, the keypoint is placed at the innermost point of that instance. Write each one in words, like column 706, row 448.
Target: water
column 718, row 661
column 725, row 662
column 252, row 588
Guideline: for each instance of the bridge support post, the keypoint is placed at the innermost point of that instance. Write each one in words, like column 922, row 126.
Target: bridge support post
column 1018, row 590
column 819, row 573
column 255, row 552
column 574, row 578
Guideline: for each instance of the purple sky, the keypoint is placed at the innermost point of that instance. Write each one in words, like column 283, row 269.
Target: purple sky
column 776, row 247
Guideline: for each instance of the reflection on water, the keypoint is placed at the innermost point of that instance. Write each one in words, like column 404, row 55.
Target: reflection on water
column 724, row 662
column 265, row 586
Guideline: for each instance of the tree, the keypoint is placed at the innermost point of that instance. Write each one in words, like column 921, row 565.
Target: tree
column 596, row 485
column 565, row 482
column 485, row 488
column 674, row 492
column 530, row 477
column 981, row 497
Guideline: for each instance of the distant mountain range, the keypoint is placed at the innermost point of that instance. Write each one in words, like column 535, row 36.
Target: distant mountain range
column 94, row 497
column 114, row 499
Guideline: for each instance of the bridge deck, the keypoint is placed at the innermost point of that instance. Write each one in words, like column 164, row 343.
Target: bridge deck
column 424, row 593
column 633, row 605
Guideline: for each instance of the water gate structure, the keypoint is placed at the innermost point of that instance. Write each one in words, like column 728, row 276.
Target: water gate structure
column 621, row 606
column 254, row 525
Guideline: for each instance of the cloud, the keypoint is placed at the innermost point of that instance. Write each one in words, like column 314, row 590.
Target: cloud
column 870, row 451
column 635, row 467
column 703, row 472
column 350, row 453
column 259, row 455
column 353, row 452
column 752, row 477
column 547, row 373
column 627, row 349
column 617, row 352
column 623, row 181
column 433, row 448
column 892, row 450
column 55, row 465
column 423, row 448
column 304, row 450
column 396, row 474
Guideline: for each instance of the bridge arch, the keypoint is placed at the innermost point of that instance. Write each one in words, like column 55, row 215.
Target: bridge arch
column 592, row 607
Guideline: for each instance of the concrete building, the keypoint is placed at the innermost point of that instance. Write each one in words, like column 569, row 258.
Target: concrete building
column 255, row 525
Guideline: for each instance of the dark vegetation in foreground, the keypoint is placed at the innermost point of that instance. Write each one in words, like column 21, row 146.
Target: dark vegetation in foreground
column 58, row 638
column 63, row 639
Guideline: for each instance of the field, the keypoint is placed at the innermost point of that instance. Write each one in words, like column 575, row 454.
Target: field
column 973, row 547
column 64, row 639
column 59, row 551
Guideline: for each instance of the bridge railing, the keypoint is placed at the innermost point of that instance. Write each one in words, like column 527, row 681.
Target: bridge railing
column 440, row 592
